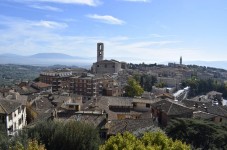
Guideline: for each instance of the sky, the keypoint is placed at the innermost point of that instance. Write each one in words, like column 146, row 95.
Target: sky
column 131, row 30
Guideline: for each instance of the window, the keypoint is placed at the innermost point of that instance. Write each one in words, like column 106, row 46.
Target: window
column 97, row 65
column 148, row 105
column 10, row 117
column 105, row 65
column 20, row 121
column 19, row 110
column 2, row 119
column 134, row 104
column 71, row 106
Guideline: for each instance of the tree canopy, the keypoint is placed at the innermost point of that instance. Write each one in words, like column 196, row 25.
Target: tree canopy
column 56, row 135
column 198, row 133
column 149, row 141
column 31, row 145
column 133, row 88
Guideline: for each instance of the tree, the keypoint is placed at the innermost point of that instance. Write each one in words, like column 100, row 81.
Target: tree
column 31, row 145
column 149, row 141
column 147, row 82
column 57, row 135
column 198, row 133
column 160, row 85
column 31, row 113
column 133, row 88
column 4, row 139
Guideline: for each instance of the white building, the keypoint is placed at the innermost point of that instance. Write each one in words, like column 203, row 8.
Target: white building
column 12, row 116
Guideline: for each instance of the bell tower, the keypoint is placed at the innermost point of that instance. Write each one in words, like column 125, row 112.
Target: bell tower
column 100, row 51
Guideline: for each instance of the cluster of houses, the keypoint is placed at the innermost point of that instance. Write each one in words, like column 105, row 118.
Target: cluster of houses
column 97, row 97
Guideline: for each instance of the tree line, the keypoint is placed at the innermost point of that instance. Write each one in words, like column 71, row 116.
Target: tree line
column 203, row 86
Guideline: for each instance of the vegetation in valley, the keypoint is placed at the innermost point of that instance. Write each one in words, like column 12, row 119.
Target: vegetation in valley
column 11, row 74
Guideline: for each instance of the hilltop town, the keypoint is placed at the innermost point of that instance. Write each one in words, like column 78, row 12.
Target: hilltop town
column 116, row 96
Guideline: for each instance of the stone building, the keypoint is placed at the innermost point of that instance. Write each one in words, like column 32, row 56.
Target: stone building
column 105, row 66
column 59, row 79
column 85, row 85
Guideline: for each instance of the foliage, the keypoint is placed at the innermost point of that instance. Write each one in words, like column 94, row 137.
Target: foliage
column 31, row 145
column 140, row 66
column 37, row 79
column 4, row 140
column 149, row 141
column 146, row 81
column 203, row 86
column 160, row 85
column 133, row 88
column 56, row 135
column 198, row 133
column 31, row 113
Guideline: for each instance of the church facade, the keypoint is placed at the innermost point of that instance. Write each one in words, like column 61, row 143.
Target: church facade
column 105, row 66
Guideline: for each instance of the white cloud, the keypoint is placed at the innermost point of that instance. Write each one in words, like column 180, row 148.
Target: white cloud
column 106, row 19
column 50, row 24
column 46, row 7
column 27, row 37
column 81, row 2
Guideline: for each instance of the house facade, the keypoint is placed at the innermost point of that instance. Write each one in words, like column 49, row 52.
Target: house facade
column 12, row 116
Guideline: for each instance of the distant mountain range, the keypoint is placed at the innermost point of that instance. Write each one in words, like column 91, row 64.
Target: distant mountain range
column 47, row 59
column 51, row 56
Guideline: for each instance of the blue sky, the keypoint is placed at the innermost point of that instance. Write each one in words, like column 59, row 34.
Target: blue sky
column 132, row 30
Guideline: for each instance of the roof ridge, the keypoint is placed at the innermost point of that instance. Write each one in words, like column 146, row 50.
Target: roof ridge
column 3, row 107
column 222, row 109
column 170, row 108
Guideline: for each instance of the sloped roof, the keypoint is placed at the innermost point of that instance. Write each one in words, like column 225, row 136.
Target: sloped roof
column 206, row 107
column 202, row 115
column 41, row 85
column 131, row 125
column 167, row 95
column 196, row 100
column 171, row 107
column 117, row 101
column 217, row 110
column 8, row 106
column 214, row 93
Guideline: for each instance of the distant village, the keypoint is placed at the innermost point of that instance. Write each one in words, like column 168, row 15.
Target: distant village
column 98, row 96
